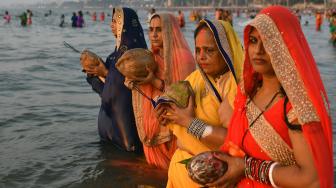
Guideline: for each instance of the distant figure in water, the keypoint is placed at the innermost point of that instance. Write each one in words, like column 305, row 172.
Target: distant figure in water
column 306, row 23
column 62, row 21
column 102, row 16
column 7, row 17
column 180, row 18
column 318, row 20
column 29, row 17
column 332, row 28
column 74, row 19
column 94, row 16
column 80, row 19
column 23, row 18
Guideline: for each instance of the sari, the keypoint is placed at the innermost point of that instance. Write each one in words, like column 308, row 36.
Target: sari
column 177, row 62
column 116, row 123
column 206, row 102
column 295, row 68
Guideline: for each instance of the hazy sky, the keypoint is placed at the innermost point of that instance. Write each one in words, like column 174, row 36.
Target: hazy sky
column 10, row 2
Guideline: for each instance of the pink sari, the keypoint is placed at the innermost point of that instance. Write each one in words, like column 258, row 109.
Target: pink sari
column 176, row 64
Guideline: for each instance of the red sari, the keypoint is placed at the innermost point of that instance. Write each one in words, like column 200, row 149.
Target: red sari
column 297, row 72
column 176, row 64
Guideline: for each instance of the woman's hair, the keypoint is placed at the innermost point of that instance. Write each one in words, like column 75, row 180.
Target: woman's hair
column 200, row 27
column 155, row 16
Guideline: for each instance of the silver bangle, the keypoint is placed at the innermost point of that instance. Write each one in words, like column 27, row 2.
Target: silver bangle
column 196, row 128
column 270, row 174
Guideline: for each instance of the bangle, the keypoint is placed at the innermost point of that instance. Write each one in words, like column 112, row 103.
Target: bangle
column 196, row 128
column 207, row 131
column 270, row 174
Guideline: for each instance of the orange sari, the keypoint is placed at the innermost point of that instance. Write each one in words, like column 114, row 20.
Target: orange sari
column 176, row 64
column 297, row 72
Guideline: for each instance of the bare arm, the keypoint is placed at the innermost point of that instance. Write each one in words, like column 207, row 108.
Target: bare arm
column 304, row 173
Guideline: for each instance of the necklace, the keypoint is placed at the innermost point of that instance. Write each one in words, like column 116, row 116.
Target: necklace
column 266, row 107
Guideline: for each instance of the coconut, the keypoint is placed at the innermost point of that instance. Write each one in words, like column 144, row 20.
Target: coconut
column 133, row 64
column 177, row 93
column 89, row 59
column 205, row 168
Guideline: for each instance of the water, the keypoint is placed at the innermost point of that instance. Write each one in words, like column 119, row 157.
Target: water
column 48, row 131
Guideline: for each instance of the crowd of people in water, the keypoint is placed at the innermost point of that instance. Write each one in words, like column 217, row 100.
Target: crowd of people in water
column 77, row 18
column 263, row 104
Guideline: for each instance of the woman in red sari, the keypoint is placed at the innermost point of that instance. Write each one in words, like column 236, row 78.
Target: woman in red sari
column 175, row 62
column 281, row 114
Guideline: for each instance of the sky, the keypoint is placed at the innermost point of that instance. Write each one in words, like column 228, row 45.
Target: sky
column 11, row 2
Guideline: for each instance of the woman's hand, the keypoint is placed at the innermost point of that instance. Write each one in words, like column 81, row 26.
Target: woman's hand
column 99, row 70
column 161, row 110
column 234, row 173
column 181, row 116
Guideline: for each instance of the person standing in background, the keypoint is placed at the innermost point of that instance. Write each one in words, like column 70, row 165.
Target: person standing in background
column 7, row 17
column 74, row 19
column 102, row 16
column 180, row 19
column 94, row 16
column 62, row 21
column 29, row 17
column 80, row 19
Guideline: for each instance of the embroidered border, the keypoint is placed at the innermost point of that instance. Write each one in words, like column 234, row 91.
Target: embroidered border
column 120, row 24
column 284, row 67
column 267, row 138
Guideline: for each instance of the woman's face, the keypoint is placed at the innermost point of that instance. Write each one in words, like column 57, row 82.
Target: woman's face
column 155, row 33
column 259, row 58
column 113, row 25
column 208, row 55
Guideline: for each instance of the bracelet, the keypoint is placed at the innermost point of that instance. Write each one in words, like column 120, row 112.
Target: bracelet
column 196, row 128
column 207, row 131
column 259, row 170
column 270, row 174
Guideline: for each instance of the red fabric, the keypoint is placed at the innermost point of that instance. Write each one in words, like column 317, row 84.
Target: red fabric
column 318, row 134
column 175, row 65
column 161, row 154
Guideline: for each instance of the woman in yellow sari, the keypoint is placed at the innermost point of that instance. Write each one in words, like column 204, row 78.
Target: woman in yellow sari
column 219, row 56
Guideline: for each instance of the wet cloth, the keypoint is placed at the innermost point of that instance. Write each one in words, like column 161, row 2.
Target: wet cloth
column 175, row 65
column 116, row 122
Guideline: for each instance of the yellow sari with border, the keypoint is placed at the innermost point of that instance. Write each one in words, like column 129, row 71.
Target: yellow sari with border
column 206, row 103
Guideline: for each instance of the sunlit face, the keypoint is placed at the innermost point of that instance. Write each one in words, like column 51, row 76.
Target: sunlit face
column 208, row 55
column 155, row 33
column 113, row 25
column 259, row 58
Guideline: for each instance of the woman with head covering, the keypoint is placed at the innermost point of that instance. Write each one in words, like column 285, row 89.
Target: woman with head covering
column 116, row 122
column 219, row 55
column 281, row 115
column 175, row 62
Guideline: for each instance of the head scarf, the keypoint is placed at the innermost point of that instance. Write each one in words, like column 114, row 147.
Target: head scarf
column 129, row 31
column 295, row 68
column 177, row 63
column 230, row 47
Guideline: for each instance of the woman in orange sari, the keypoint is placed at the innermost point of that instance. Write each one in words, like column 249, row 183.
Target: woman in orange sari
column 175, row 62
column 281, row 114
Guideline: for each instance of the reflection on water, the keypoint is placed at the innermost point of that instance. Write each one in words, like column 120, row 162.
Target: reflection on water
column 48, row 131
